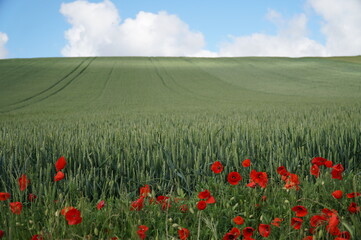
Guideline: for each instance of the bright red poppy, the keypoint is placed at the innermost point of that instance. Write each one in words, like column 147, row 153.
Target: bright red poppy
column 142, row 229
column 144, row 191
column 276, row 222
column 32, row 197
column 183, row 233
column 260, row 178
column 247, row 232
column 315, row 170
column 337, row 171
column 37, row 237
column 328, row 164
column 292, row 181
column 137, row 205
column 65, row 210
column 101, row 204
column 318, row 220
column 332, row 226
column 246, row 163
column 233, row 234
column 60, row 164
column 296, row 223
column 23, row 182
column 282, row 171
column 59, row 176
column 16, row 207
column 217, row 167
column 300, row 211
column 352, row 195
column 238, row 220
column 4, row 196
column 234, row 178
column 73, row 216
column 353, row 208
column 319, row 161
column 201, row 205
column 206, row 196
column 264, row 230
column 164, row 201
column 337, row 194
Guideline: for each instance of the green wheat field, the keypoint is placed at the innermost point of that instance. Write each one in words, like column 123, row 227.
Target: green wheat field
column 125, row 122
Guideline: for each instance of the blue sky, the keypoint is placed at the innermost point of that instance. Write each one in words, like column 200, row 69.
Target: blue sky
column 201, row 28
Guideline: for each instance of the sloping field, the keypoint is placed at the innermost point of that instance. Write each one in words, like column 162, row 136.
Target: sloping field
column 174, row 84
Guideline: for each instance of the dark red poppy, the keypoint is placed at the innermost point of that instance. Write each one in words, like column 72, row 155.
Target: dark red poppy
column 296, row 223
column 260, row 178
column 319, row 161
column 315, row 170
column 32, row 197
column 300, row 211
column 137, row 205
column 58, row 176
column 318, row 220
column 183, row 233
column 264, row 230
column 60, row 164
column 308, row 238
column 101, row 204
column 217, row 167
column 73, row 216
column 337, row 171
column 2, row 233
column 183, row 208
column 282, row 171
column 144, row 191
column 353, row 208
column 276, row 222
column 234, row 178
column 4, row 196
column 201, row 205
column 23, row 182
column 238, row 220
column 337, row 194
column 247, row 232
column 16, row 207
column 233, row 234
column 352, row 195
column 164, row 202
column 246, row 163
column 37, row 237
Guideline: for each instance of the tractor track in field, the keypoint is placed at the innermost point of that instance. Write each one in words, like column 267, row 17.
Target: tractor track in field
column 157, row 71
column 27, row 103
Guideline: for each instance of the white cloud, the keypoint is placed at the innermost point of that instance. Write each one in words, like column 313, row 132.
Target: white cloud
column 341, row 26
column 290, row 41
column 97, row 30
column 3, row 40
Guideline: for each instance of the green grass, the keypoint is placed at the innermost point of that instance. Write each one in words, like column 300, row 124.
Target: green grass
column 125, row 122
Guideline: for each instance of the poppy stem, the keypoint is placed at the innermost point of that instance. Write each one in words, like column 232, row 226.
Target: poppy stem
column 199, row 225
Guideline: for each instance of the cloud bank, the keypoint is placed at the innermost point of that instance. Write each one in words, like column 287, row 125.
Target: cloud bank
column 98, row 30
column 3, row 40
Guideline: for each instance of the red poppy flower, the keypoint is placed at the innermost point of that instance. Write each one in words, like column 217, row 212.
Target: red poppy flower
column 137, row 205
column 4, row 196
column 282, row 171
column 337, row 194
column 183, row 208
column 60, row 164
column 142, row 229
column 251, row 184
column 296, row 223
column 23, row 182
column 16, row 207
column 65, row 210
column 201, row 205
column 32, row 197
column 37, row 237
column 264, row 230
column 206, row 195
column 301, row 211
column 248, row 232
column 59, row 176
column 328, row 164
column 337, row 171
column 315, row 170
column 352, row 195
column 246, row 163
column 318, row 220
column 234, row 178
column 164, row 202
column 333, row 222
column 259, row 177
column 319, row 161
column 2, row 233
column 264, row 198
column 292, row 182
column 101, row 204
column 217, row 167
column 73, row 216
column 353, row 208
column 144, row 191
column 276, row 222
column 308, row 238
column 233, row 234
column 340, row 238
column 238, row 220
column 183, row 233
